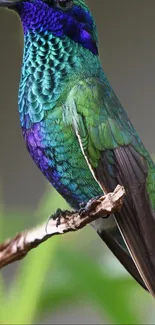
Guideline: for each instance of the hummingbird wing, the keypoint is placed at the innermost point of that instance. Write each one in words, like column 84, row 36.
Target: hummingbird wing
column 116, row 155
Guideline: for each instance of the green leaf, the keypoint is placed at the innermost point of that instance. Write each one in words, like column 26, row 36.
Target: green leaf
column 3, row 300
column 29, row 284
column 109, row 294
column 31, row 276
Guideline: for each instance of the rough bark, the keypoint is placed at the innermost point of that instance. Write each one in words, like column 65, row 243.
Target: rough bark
column 62, row 222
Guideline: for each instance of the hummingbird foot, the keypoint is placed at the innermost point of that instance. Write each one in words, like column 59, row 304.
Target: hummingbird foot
column 94, row 199
column 85, row 207
column 57, row 217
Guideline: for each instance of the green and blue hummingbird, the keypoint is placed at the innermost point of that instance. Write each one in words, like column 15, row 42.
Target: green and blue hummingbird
column 77, row 131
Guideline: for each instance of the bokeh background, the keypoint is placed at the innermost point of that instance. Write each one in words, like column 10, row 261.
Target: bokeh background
column 73, row 279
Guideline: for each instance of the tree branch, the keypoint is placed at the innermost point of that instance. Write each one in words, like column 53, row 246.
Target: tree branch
column 62, row 222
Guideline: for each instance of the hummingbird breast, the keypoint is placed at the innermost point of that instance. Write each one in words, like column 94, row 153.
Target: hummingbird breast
column 55, row 150
column 50, row 67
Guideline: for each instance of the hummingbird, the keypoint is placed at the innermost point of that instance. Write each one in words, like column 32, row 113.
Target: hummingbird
column 77, row 131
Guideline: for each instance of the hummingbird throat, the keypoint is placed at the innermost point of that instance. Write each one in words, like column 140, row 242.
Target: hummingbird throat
column 47, row 61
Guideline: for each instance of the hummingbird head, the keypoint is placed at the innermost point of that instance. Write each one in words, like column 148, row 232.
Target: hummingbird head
column 62, row 18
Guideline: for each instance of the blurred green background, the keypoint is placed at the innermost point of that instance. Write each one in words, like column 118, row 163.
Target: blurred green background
column 72, row 279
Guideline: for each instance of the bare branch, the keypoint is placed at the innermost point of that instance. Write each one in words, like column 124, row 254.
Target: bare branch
column 63, row 222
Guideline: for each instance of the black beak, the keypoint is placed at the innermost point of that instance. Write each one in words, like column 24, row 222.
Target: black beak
column 9, row 3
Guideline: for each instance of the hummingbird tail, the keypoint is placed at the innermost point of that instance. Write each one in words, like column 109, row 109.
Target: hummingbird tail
column 114, row 242
column 136, row 219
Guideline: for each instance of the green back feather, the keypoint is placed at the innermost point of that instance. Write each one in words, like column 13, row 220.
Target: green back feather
column 101, row 124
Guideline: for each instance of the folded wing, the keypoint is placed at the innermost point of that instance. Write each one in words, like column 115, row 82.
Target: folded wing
column 116, row 155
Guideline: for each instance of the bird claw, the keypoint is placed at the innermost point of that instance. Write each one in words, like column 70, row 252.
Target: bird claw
column 57, row 217
column 91, row 201
column 86, row 207
column 83, row 205
column 54, row 217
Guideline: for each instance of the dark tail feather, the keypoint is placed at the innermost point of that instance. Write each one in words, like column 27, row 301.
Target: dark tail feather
column 136, row 218
column 122, row 255
column 139, row 243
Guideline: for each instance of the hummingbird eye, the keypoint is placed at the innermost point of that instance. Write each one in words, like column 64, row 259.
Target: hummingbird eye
column 64, row 4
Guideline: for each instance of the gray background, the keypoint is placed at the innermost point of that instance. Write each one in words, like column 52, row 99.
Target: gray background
column 127, row 50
